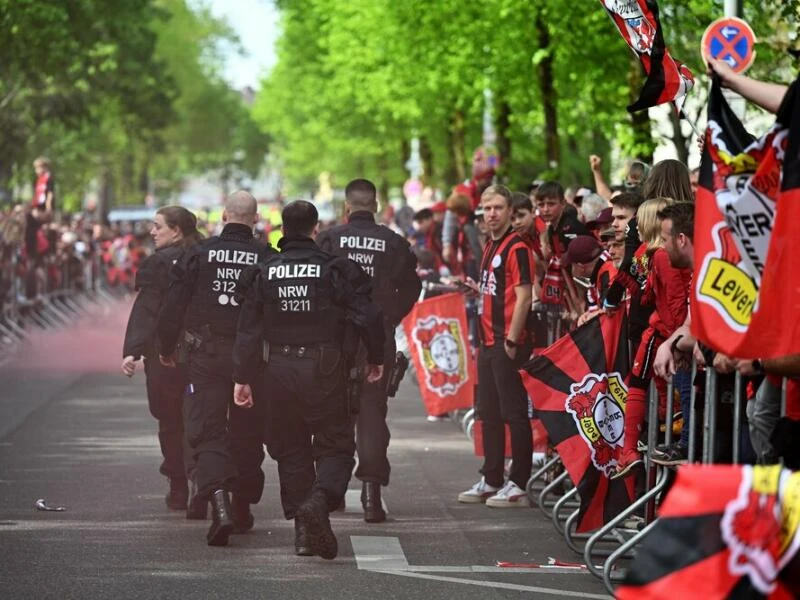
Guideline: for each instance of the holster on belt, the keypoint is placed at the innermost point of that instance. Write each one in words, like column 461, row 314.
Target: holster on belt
column 396, row 374
column 191, row 342
column 354, row 384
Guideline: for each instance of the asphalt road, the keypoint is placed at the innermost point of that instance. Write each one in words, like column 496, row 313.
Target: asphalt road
column 78, row 434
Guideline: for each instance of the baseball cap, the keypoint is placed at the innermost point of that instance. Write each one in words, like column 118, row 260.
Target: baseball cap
column 439, row 207
column 583, row 249
column 608, row 234
column 604, row 217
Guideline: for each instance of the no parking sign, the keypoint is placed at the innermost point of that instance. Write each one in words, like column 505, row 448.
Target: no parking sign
column 730, row 39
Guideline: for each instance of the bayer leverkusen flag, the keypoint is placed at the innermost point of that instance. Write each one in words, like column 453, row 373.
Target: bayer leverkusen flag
column 723, row 532
column 436, row 330
column 638, row 23
column 579, row 392
column 747, row 286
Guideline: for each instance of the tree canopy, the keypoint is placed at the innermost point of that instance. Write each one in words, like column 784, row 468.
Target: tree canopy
column 129, row 94
column 355, row 81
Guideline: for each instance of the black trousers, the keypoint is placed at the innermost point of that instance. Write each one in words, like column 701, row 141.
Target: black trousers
column 226, row 441
column 308, row 429
column 165, row 389
column 372, row 433
column 502, row 399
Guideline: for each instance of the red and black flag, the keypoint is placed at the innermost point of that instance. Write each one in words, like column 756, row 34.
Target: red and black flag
column 638, row 23
column 723, row 532
column 578, row 389
column 747, row 288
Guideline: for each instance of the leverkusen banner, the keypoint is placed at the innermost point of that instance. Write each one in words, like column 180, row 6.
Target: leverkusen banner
column 639, row 25
column 723, row 532
column 438, row 337
column 578, row 387
column 746, row 293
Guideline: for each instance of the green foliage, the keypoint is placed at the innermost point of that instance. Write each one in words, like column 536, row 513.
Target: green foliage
column 129, row 93
column 356, row 80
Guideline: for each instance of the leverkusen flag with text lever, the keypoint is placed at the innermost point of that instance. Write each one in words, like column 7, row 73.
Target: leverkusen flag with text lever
column 578, row 389
column 638, row 23
column 746, row 294
column 438, row 338
column 723, row 531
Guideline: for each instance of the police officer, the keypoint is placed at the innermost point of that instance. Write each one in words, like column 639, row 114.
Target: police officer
column 203, row 304
column 173, row 231
column 301, row 305
column 387, row 258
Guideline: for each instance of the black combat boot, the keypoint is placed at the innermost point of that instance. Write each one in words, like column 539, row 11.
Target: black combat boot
column 371, row 500
column 301, row 546
column 313, row 515
column 178, row 494
column 198, row 505
column 243, row 519
column 221, row 521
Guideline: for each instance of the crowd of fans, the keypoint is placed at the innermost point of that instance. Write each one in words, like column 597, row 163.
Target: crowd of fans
column 592, row 252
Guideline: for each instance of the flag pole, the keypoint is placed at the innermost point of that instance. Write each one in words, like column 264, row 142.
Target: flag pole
column 682, row 115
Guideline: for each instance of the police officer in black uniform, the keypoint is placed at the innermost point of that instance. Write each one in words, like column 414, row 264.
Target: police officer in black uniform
column 387, row 258
column 173, row 231
column 203, row 304
column 300, row 308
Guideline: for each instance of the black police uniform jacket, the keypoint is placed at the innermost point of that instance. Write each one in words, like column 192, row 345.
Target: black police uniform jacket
column 383, row 255
column 304, row 296
column 204, row 288
column 152, row 282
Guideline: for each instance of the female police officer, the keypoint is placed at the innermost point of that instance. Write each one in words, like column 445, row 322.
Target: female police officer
column 174, row 230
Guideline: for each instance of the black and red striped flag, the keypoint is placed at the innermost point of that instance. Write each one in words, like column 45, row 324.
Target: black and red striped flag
column 747, row 287
column 667, row 79
column 578, row 389
column 723, row 532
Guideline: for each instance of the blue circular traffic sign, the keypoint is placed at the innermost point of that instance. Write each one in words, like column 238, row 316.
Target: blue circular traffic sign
column 730, row 39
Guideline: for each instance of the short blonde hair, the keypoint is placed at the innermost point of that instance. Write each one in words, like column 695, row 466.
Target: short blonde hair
column 648, row 223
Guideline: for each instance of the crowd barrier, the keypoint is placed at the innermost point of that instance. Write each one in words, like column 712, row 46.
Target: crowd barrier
column 550, row 490
column 60, row 290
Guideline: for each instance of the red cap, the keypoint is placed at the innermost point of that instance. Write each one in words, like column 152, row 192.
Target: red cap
column 604, row 217
column 439, row 207
column 583, row 249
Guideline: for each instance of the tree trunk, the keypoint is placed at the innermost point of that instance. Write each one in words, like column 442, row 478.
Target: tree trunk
column 549, row 97
column 383, row 180
column 457, row 143
column 503, row 139
column 678, row 139
column 643, row 144
column 426, row 154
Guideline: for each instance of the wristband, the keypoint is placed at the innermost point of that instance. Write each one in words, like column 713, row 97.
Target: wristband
column 511, row 343
column 674, row 345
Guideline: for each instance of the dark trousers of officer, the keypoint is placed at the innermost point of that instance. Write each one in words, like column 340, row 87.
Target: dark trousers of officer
column 372, row 433
column 502, row 399
column 308, row 428
column 165, row 389
column 226, row 442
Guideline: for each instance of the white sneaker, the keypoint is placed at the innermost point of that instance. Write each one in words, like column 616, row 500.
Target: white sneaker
column 511, row 496
column 478, row 493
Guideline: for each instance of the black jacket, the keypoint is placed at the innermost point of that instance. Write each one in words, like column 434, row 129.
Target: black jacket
column 152, row 281
column 304, row 296
column 384, row 256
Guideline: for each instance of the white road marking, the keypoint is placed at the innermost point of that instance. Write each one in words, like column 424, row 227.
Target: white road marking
column 385, row 555
column 497, row 585
column 485, row 569
column 374, row 553
column 352, row 503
